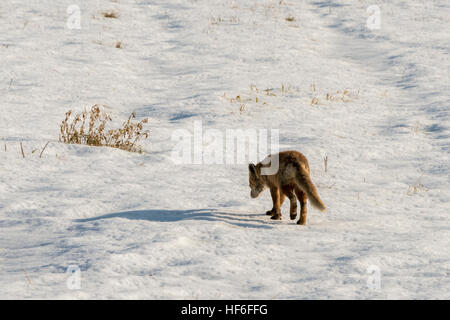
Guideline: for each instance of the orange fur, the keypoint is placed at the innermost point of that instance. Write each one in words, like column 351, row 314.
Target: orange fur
column 292, row 180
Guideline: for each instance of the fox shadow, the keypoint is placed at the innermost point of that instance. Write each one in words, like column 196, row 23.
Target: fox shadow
column 159, row 215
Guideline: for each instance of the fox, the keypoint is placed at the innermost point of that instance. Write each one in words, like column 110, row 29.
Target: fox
column 292, row 180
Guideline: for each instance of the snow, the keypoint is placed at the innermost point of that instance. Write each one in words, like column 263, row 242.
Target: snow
column 141, row 226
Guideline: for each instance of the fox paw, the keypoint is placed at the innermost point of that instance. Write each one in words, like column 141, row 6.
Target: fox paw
column 276, row 217
column 269, row 213
column 293, row 216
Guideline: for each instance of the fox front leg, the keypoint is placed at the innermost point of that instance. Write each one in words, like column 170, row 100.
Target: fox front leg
column 273, row 211
column 276, row 199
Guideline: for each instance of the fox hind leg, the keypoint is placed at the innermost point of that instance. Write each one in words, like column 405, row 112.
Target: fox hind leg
column 289, row 191
column 303, row 212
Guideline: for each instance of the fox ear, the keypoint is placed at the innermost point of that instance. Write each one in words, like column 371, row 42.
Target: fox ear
column 251, row 168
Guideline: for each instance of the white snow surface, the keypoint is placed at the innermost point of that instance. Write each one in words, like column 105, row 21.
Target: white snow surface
column 141, row 226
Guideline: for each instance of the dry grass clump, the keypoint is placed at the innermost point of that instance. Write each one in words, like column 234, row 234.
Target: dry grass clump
column 89, row 128
column 223, row 20
column 416, row 188
column 417, row 128
column 344, row 96
column 110, row 14
column 260, row 97
column 274, row 95
column 340, row 96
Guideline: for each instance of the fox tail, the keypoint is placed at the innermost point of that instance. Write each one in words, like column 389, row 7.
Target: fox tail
column 305, row 184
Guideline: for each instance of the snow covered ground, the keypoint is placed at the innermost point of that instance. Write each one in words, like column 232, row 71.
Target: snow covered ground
column 142, row 226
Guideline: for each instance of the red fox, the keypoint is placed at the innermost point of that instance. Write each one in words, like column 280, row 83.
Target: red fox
column 291, row 180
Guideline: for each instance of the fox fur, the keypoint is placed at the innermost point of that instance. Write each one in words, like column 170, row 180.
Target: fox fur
column 292, row 180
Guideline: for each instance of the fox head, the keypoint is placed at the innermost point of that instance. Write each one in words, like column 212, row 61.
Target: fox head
column 255, row 181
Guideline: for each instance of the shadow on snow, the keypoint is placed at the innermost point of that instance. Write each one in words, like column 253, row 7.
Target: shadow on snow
column 159, row 215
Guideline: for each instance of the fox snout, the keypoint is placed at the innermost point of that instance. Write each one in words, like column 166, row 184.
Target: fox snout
column 256, row 192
